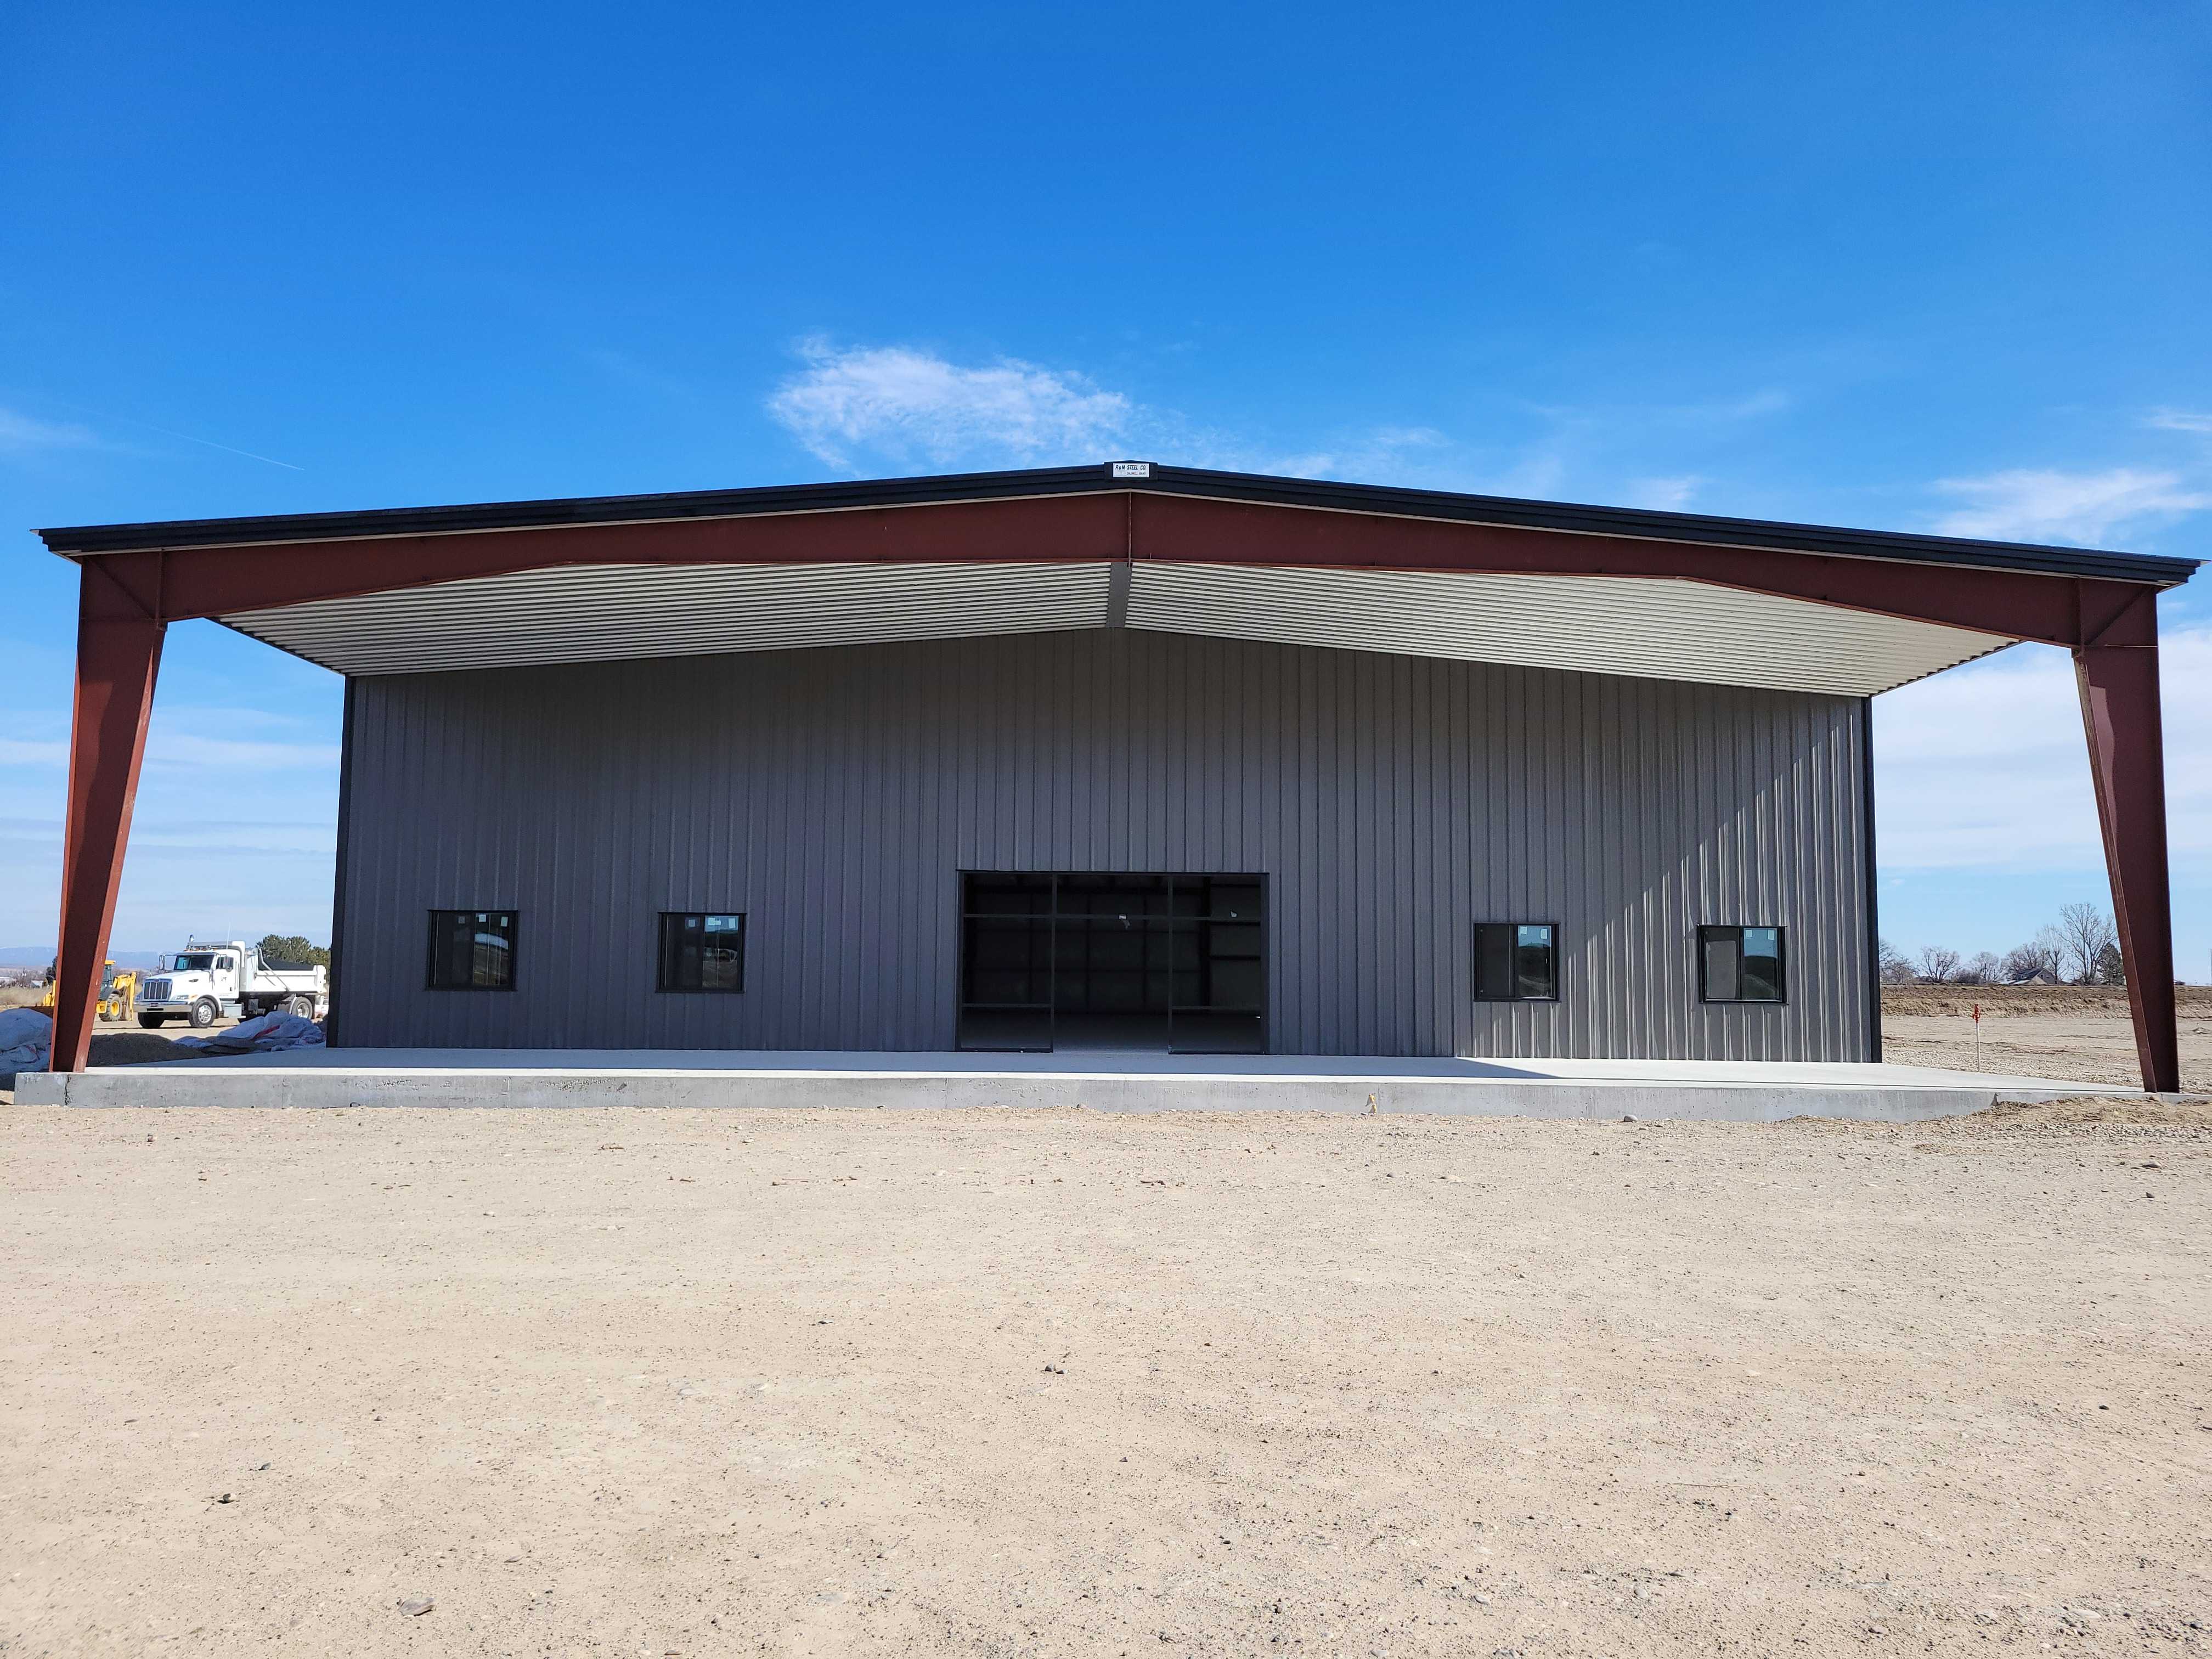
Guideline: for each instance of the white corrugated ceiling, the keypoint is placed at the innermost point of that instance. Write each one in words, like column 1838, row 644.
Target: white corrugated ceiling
column 1652, row 628
column 586, row 613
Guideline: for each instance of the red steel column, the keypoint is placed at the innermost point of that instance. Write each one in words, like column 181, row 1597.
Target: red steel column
column 2117, row 673
column 118, row 649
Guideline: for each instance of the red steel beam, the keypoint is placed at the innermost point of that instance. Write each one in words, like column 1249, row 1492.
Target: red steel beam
column 2117, row 673
column 217, row 582
column 2022, row 604
column 118, row 651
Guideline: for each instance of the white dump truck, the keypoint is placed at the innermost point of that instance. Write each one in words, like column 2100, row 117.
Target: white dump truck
column 204, row 981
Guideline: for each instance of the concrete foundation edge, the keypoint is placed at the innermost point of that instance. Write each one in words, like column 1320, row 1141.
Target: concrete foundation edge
column 324, row 1089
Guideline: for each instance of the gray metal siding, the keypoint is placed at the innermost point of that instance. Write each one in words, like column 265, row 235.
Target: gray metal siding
column 833, row 795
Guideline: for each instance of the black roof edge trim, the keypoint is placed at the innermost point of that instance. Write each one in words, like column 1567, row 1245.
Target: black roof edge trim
column 1255, row 487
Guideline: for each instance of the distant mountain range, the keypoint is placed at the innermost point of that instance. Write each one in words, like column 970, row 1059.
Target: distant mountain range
column 38, row 956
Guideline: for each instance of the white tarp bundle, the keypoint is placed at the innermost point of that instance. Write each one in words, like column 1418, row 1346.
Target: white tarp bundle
column 265, row 1036
column 26, row 1036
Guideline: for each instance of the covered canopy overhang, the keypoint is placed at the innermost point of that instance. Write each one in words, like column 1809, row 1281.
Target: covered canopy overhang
column 1123, row 544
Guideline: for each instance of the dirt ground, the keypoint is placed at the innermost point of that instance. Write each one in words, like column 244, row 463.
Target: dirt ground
column 2076, row 1032
column 686, row 1382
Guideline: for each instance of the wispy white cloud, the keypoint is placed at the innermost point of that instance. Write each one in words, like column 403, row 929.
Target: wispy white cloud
column 218, row 719
column 1663, row 495
column 21, row 434
column 637, row 375
column 182, row 749
column 195, row 738
column 1752, row 406
column 902, row 404
column 255, row 836
column 1412, row 437
column 1592, row 453
column 2179, row 420
column 1986, row 766
column 2045, row 505
column 204, row 739
column 905, row 402
column 1706, row 413
column 1412, row 457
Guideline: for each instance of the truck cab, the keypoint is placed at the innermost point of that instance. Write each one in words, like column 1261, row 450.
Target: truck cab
column 208, row 981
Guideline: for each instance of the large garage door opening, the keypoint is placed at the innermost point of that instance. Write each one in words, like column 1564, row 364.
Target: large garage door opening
column 1113, row 962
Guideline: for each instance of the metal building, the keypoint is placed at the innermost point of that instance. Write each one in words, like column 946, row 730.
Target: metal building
column 1119, row 757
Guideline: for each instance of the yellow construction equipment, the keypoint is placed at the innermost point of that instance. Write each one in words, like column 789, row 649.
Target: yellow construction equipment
column 117, row 993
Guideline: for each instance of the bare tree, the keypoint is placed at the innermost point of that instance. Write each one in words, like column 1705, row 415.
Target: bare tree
column 2043, row 954
column 1983, row 969
column 2084, row 932
column 1892, row 965
column 1938, row 964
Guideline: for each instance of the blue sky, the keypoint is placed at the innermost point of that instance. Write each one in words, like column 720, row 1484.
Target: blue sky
column 1902, row 265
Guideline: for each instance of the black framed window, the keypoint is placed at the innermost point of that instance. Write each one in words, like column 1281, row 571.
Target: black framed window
column 1741, row 964
column 471, row 950
column 1517, row 962
column 702, row 952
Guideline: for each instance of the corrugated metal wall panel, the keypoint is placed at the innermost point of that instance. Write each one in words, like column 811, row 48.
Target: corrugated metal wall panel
column 835, row 794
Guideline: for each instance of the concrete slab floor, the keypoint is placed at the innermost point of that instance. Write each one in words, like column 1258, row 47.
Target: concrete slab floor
column 1736, row 1090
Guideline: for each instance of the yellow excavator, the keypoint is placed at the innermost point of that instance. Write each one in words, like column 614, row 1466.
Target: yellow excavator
column 117, row 993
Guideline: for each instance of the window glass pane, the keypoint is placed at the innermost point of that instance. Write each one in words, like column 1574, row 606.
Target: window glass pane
column 679, row 952
column 1516, row 961
column 1762, row 964
column 1536, row 976
column 1006, row 962
column 1234, row 901
column 1235, row 939
column 702, row 952
column 1240, row 985
column 446, row 968
column 1723, row 954
column 1493, row 962
column 991, row 894
column 724, row 969
column 472, row 950
column 491, row 959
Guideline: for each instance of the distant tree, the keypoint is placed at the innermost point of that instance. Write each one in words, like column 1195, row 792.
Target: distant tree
column 1891, row 964
column 292, row 947
column 1938, row 964
column 1985, row 969
column 2084, row 932
column 2110, row 970
column 2045, row 953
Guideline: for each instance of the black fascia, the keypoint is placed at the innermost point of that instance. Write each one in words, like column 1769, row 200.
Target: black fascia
column 1254, row 488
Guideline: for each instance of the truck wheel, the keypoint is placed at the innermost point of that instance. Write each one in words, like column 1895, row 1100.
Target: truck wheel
column 303, row 1007
column 152, row 1022
column 205, row 1012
